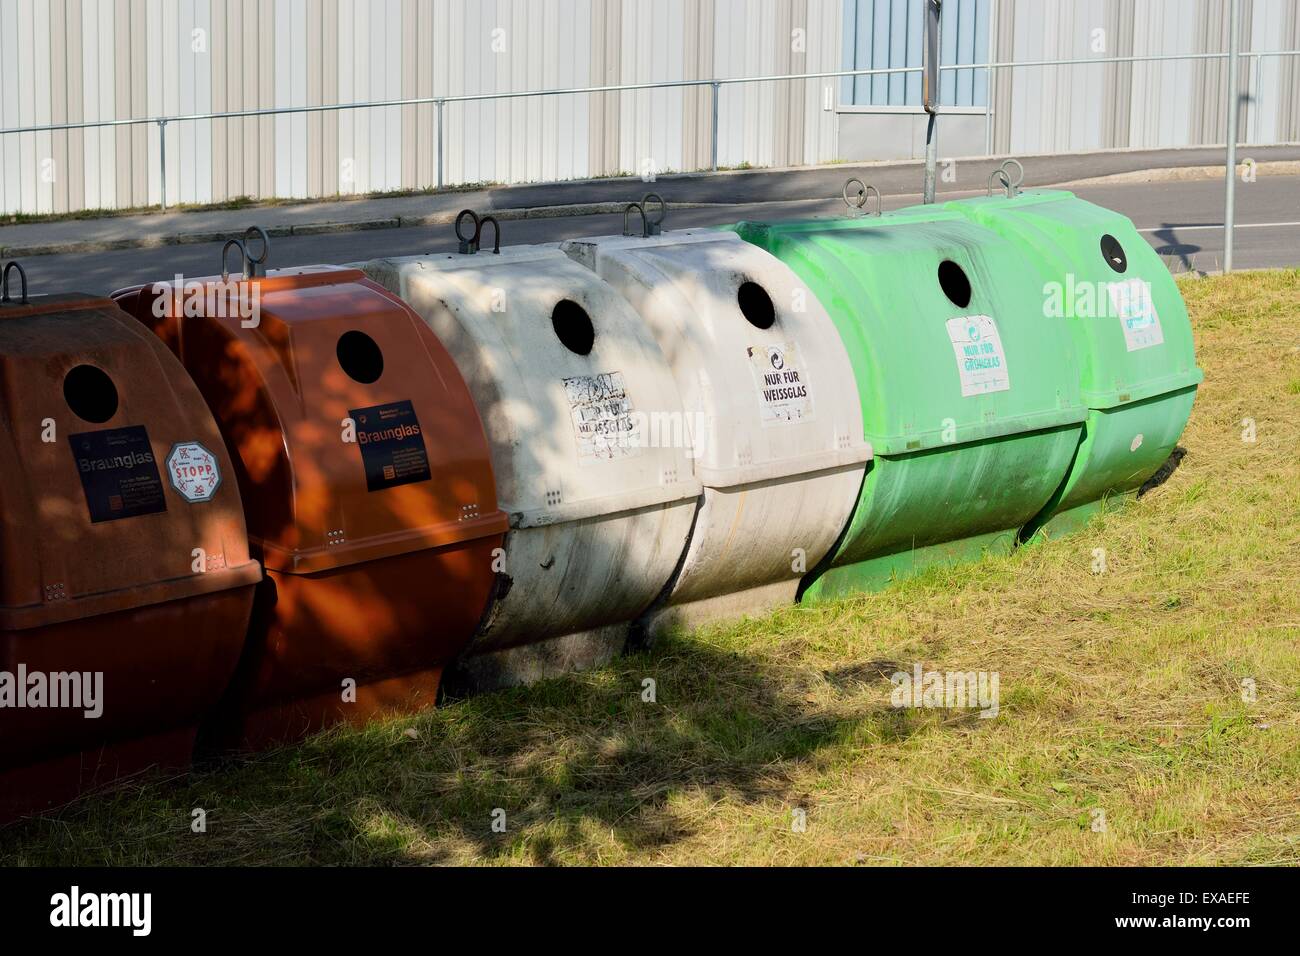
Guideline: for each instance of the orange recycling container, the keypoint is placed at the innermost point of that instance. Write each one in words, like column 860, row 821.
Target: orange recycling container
column 367, row 485
column 126, row 582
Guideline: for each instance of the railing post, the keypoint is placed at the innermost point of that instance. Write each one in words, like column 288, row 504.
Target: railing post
column 717, row 89
column 1230, row 194
column 989, row 57
column 439, row 104
column 162, row 156
column 930, row 92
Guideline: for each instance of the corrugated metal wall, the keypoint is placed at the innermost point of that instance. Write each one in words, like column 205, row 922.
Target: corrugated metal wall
column 1140, row 105
column 77, row 60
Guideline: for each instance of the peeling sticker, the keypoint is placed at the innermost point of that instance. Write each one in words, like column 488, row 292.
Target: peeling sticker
column 1132, row 302
column 603, row 418
column 981, row 363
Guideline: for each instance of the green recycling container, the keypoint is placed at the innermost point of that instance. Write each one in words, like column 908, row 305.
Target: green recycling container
column 970, row 397
column 1129, row 328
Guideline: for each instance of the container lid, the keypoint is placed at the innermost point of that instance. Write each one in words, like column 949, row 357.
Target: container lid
column 117, row 491
column 578, row 400
column 765, row 380
column 1107, row 285
column 356, row 438
column 943, row 323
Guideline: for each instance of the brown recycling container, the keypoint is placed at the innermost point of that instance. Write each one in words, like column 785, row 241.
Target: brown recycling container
column 125, row 577
column 378, row 546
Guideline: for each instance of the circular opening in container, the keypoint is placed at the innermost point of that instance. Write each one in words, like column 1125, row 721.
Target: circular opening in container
column 1113, row 253
column 756, row 305
column 360, row 357
column 90, row 393
column 573, row 327
column 955, row 285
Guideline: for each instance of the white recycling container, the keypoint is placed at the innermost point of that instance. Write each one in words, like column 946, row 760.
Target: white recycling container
column 778, row 441
column 566, row 378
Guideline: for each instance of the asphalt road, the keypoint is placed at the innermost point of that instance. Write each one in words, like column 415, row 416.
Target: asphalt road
column 1181, row 220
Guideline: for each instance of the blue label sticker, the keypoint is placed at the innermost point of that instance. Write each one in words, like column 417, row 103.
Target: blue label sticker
column 118, row 473
column 392, row 445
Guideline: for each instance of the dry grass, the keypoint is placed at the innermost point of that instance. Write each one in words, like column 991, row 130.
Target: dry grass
column 1121, row 692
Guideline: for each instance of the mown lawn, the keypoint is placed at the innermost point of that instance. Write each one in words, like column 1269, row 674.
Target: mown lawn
column 1123, row 736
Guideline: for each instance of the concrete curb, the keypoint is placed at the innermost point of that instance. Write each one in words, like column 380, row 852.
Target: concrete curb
column 793, row 185
column 1183, row 174
column 325, row 228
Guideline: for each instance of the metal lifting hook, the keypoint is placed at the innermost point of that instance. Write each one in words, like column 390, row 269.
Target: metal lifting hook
column 1010, row 179
column 251, row 262
column 248, row 262
column 225, row 253
column 4, row 282
column 1000, row 175
column 470, row 244
column 649, row 227
column 859, row 201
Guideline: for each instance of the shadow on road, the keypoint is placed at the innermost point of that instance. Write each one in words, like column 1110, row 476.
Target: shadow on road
column 1183, row 252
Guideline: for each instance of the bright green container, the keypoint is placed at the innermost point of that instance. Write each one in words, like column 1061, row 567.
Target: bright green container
column 1129, row 328
column 971, row 401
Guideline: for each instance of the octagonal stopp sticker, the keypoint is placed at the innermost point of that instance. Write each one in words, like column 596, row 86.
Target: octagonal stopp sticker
column 193, row 471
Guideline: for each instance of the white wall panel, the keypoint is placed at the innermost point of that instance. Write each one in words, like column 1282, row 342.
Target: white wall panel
column 10, row 146
column 70, row 60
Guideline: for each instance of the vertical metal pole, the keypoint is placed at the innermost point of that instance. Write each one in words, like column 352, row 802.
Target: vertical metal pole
column 717, row 88
column 1230, row 195
column 930, row 94
column 162, row 155
column 988, row 78
column 440, row 104
column 931, row 156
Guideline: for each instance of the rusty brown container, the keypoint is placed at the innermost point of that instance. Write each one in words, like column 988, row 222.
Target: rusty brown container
column 126, row 582
column 367, row 485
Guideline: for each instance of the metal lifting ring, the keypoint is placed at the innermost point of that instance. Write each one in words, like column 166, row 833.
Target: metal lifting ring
column 1005, row 177
column 879, row 201
column 468, row 244
column 653, row 226
column 496, row 234
column 1020, row 171
column 251, row 262
column 4, row 282
column 861, row 193
column 225, row 252
column 645, row 224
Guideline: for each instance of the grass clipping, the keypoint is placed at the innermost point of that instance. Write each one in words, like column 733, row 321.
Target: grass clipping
column 1149, row 714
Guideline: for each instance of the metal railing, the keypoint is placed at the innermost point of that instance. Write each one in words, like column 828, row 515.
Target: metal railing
column 715, row 84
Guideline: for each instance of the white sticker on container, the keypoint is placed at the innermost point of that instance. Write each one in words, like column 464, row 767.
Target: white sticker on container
column 1131, row 301
column 981, row 363
column 784, row 394
column 194, row 471
column 603, row 418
